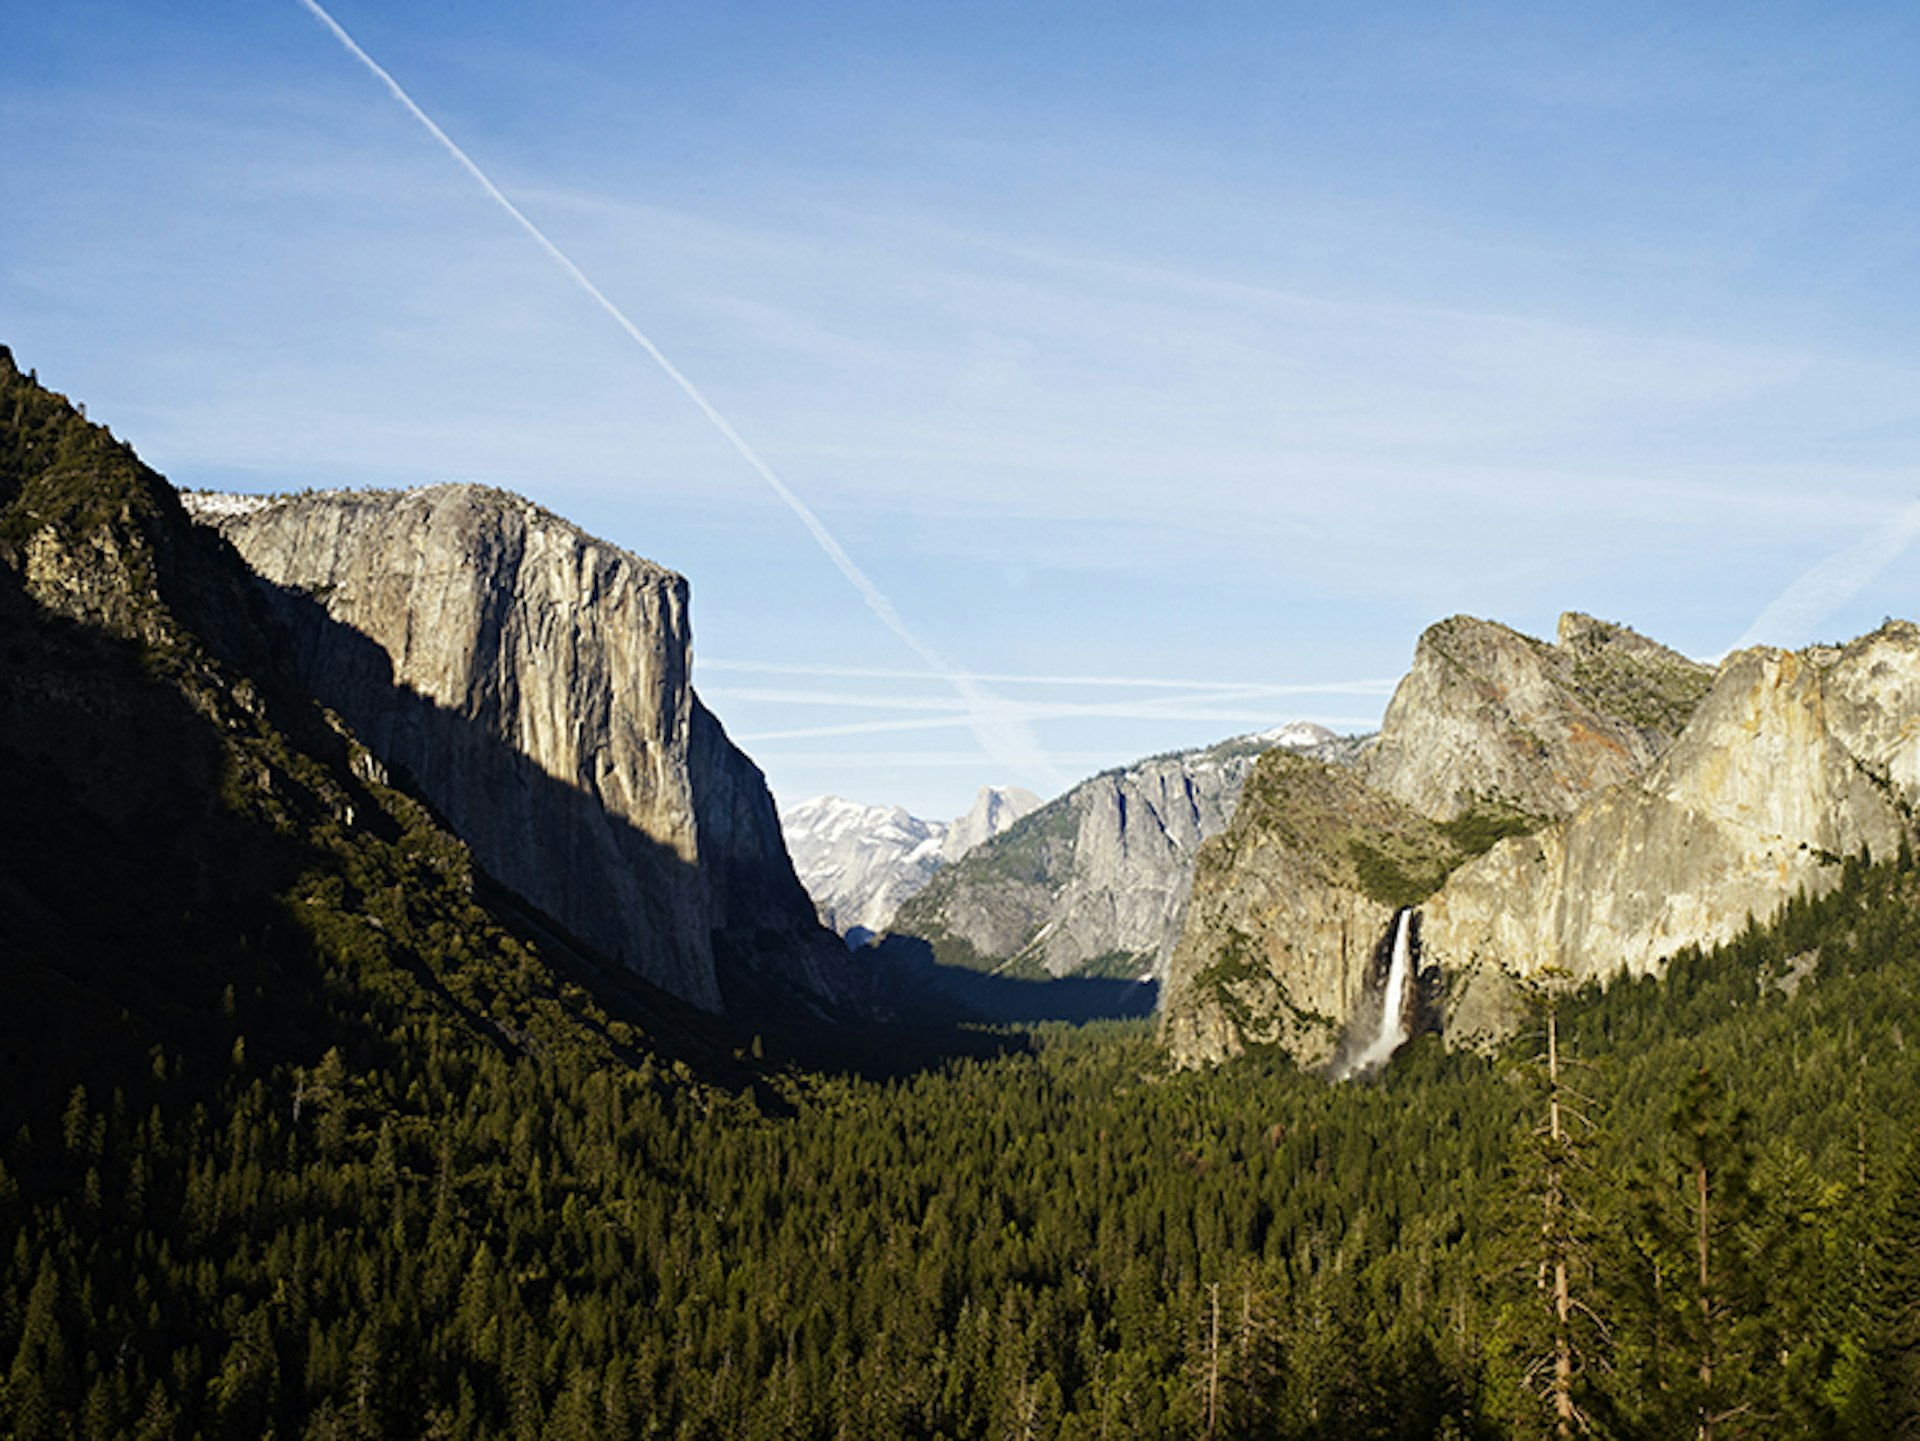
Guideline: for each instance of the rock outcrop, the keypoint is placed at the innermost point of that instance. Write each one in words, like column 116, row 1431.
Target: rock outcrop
column 532, row 682
column 994, row 809
column 1488, row 718
column 205, row 877
column 1645, row 809
column 1289, row 904
column 1787, row 767
column 1094, row 882
column 859, row 862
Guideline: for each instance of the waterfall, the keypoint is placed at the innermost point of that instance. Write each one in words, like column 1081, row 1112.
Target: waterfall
column 1392, row 1033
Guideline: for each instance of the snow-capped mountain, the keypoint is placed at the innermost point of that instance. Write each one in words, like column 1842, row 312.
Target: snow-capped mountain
column 860, row 862
column 1296, row 736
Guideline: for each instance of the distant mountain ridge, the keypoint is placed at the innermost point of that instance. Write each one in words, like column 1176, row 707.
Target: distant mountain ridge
column 860, row 862
column 1094, row 883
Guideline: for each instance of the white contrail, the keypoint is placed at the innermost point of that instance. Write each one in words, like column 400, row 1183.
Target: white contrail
column 1791, row 618
column 1007, row 741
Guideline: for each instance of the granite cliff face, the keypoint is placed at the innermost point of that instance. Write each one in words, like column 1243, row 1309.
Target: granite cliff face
column 203, row 872
column 1643, row 808
column 1289, row 905
column 533, row 683
column 859, row 862
column 994, row 809
column 1094, row 882
column 1490, row 718
column 1787, row 767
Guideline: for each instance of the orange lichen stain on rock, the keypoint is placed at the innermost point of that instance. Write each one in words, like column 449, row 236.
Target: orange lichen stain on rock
column 1587, row 751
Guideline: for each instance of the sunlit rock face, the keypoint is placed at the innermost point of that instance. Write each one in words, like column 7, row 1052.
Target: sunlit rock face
column 1792, row 762
column 1286, row 914
column 861, row 863
column 994, row 809
column 532, row 681
column 1658, row 808
column 1872, row 691
column 1487, row 716
column 1096, row 881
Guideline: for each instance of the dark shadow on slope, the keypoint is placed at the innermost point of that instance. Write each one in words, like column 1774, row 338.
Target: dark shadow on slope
column 137, row 911
column 171, row 803
column 769, row 951
column 793, row 996
column 741, row 1052
column 602, row 884
column 894, row 1050
column 149, row 869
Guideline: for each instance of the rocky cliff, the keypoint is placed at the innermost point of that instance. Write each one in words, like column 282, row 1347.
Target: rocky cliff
column 1488, row 718
column 859, row 862
column 532, row 682
column 1792, row 762
column 1289, row 905
column 1592, row 806
column 994, row 809
column 1094, row 882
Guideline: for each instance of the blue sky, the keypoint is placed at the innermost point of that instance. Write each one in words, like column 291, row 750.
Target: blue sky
column 1168, row 368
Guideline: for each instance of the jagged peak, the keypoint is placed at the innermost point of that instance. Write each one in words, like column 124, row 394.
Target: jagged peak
column 1891, row 631
column 1577, row 634
column 1449, row 629
column 1585, row 636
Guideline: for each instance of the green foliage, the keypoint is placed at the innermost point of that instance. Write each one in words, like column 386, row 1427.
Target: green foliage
column 1115, row 966
column 1017, row 870
column 1403, row 878
column 1479, row 830
column 1034, row 850
column 1652, row 690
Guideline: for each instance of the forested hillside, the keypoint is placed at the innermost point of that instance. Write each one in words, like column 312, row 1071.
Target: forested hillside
column 306, row 1130
column 434, row 1230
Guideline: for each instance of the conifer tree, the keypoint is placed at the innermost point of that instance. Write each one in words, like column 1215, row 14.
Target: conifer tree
column 1894, row 1317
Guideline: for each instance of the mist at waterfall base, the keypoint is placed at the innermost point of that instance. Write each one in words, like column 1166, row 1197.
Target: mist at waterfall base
column 1371, row 1041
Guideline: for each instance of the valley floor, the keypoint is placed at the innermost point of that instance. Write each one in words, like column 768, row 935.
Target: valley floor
column 430, row 1229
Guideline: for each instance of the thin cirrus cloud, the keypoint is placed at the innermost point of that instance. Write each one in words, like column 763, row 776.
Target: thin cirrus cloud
column 913, row 760
column 1337, row 687
column 869, row 728
column 1106, row 368
column 1093, row 391
column 1793, row 617
column 1211, row 702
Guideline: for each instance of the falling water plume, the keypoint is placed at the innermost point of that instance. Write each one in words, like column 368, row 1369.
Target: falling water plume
column 1392, row 1032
